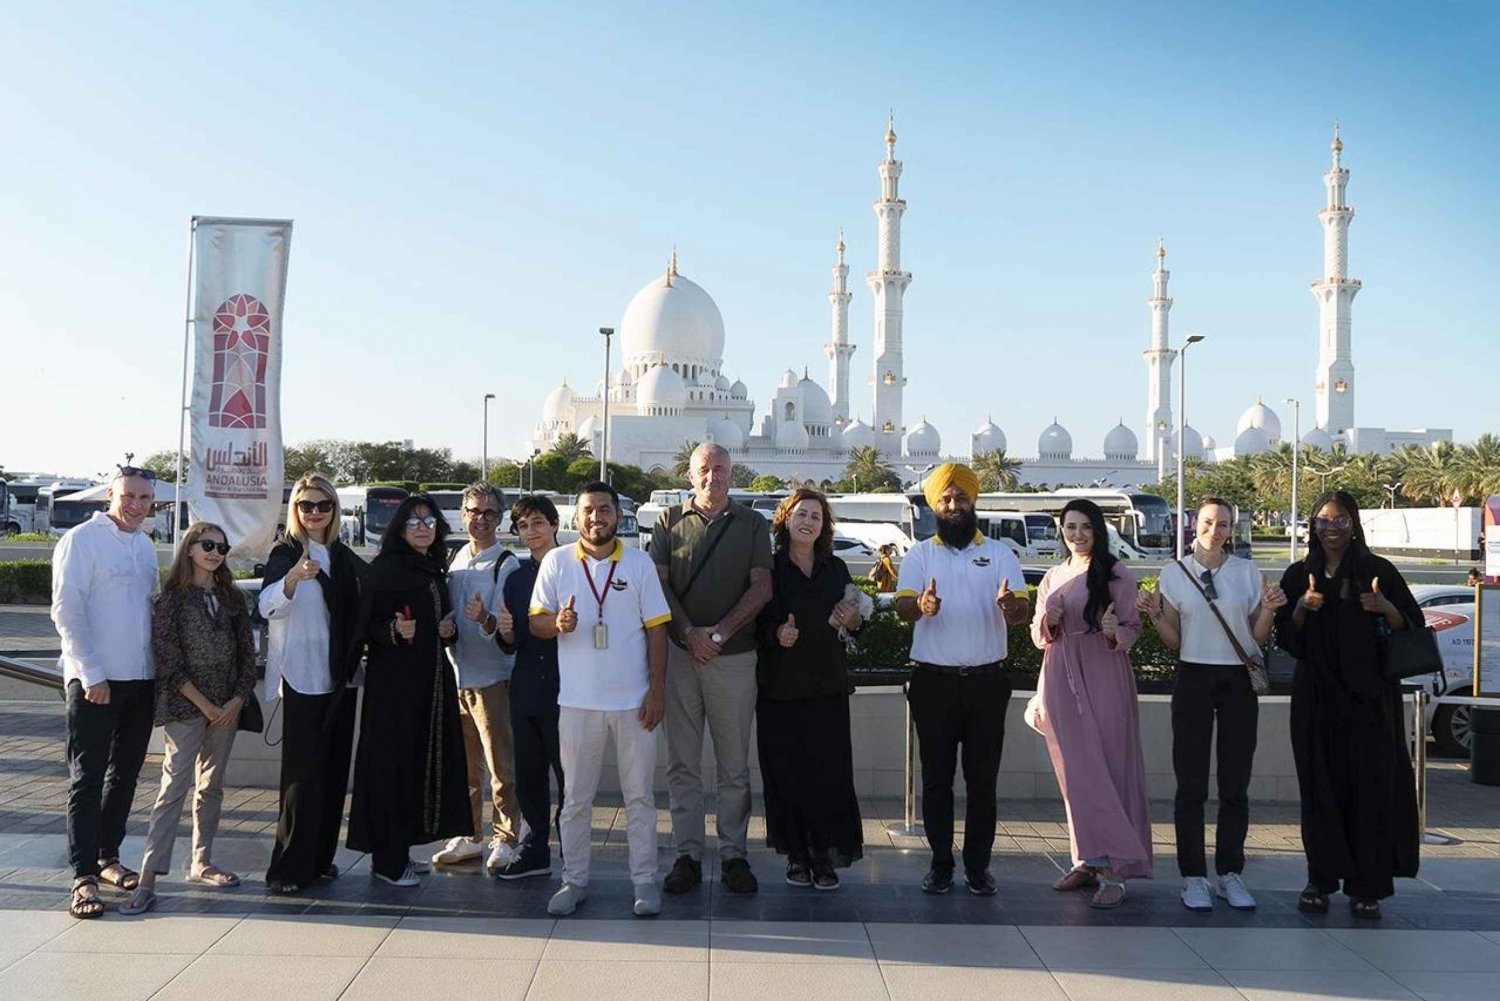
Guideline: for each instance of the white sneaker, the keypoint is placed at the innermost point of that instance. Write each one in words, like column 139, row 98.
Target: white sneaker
column 1232, row 889
column 502, row 854
column 407, row 878
column 419, row 866
column 1196, row 894
column 647, row 900
column 566, row 900
column 458, row 850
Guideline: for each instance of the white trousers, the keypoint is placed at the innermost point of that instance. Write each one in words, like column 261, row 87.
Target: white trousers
column 581, row 737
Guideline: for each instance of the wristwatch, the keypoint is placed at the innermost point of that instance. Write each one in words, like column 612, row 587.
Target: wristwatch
column 717, row 637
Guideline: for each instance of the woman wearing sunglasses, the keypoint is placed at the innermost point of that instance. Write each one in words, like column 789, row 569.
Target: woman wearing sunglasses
column 1359, row 805
column 205, row 674
column 410, row 779
column 310, row 596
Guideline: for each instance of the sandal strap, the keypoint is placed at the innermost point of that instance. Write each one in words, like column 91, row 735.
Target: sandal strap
column 86, row 881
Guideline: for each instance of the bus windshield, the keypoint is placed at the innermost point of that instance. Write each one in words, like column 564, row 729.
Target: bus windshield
column 1155, row 523
column 67, row 514
column 1041, row 528
column 382, row 505
column 923, row 523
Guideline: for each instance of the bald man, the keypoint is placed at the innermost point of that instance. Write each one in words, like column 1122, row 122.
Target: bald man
column 961, row 591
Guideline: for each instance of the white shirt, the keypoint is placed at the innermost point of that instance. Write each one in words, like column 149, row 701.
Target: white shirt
column 478, row 661
column 102, row 583
column 1238, row 586
column 297, row 651
column 617, row 677
column 969, row 629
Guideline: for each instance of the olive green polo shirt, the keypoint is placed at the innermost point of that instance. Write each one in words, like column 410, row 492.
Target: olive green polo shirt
column 679, row 542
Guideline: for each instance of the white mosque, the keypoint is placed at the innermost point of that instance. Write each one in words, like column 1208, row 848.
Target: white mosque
column 671, row 388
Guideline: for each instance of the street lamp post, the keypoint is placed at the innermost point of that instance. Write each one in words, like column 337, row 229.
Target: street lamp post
column 1181, row 429
column 484, row 456
column 608, row 332
column 534, row 453
column 1296, row 448
column 1391, row 489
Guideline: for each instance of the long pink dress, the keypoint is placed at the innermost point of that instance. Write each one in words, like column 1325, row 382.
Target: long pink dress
column 1091, row 721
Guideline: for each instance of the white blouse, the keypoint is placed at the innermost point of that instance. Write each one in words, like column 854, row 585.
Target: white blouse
column 298, row 649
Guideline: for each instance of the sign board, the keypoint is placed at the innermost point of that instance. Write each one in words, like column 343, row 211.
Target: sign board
column 1487, row 642
column 1492, row 551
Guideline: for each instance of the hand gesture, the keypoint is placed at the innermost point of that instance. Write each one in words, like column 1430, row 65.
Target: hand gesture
column 446, row 627
column 786, row 633
column 1272, row 596
column 1311, row 600
column 1374, row 601
column 845, row 614
column 1005, row 596
column 567, row 619
column 929, row 603
column 307, row 568
column 406, row 626
column 507, row 622
column 1054, row 613
column 1109, row 622
column 474, row 610
column 1149, row 603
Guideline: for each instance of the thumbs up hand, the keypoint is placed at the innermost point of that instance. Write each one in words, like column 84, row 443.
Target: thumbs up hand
column 567, row 619
column 1109, row 622
column 1374, row 601
column 406, row 626
column 506, row 623
column 1311, row 600
column 1054, row 612
column 446, row 628
column 786, row 633
column 474, row 610
column 929, row 603
column 1149, row 603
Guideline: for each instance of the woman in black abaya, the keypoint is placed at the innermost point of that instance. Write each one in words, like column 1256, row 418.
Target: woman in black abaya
column 410, row 784
column 1359, row 807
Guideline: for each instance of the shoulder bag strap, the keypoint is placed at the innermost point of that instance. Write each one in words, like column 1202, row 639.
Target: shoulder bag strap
column 1213, row 607
column 707, row 554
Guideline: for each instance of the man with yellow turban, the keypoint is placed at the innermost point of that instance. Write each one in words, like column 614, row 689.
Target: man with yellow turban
column 962, row 591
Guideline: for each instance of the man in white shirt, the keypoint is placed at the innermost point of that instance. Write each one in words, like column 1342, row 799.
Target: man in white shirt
column 476, row 581
column 962, row 591
column 104, row 575
column 604, row 604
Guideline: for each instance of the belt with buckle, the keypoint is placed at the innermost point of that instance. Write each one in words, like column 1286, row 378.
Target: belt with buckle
column 962, row 670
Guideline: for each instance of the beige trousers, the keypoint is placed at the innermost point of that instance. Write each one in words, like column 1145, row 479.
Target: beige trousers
column 192, row 748
column 485, row 713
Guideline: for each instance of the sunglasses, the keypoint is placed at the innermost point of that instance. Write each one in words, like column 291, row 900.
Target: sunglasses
column 210, row 546
column 482, row 513
column 427, row 522
column 1342, row 521
column 144, row 474
column 1209, row 591
column 308, row 507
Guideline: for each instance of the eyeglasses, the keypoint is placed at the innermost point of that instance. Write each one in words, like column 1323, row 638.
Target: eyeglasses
column 210, row 546
column 1209, row 591
column 1342, row 521
column 427, row 522
column 485, row 514
column 144, row 474
column 308, row 507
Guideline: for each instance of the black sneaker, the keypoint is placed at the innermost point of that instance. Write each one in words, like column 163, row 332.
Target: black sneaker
column 939, row 879
column 524, row 865
column 738, row 877
column 980, row 882
column 824, row 877
column 798, row 875
column 686, row 873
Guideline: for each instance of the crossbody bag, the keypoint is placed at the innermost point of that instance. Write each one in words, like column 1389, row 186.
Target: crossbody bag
column 1255, row 664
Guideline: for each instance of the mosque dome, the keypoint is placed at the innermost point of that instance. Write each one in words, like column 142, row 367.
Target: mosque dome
column 788, row 380
column 738, row 391
column 1192, row 443
column 672, row 318
column 723, row 431
column 1319, row 439
column 559, row 403
column 661, row 387
column 1120, row 444
column 1251, row 441
column 622, row 377
column 924, row 440
column 857, row 434
column 586, row 432
column 1263, row 417
column 721, row 384
column 1055, row 443
column 816, row 407
column 988, row 438
column 1209, row 442
column 791, row 434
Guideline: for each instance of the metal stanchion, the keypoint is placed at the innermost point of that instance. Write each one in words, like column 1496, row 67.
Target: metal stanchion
column 1419, row 767
column 909, row 826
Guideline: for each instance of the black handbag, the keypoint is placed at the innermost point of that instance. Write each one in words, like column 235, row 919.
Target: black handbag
column 1410, row 652
column 252, row 719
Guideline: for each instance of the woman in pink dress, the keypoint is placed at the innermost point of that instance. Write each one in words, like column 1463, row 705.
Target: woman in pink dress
column 1085, row 623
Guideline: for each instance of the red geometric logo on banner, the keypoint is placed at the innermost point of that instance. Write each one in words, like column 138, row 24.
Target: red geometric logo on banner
column 242, row 343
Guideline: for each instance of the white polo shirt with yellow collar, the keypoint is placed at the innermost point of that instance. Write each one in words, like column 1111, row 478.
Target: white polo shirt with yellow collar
column 617, row 677
column 969, row 629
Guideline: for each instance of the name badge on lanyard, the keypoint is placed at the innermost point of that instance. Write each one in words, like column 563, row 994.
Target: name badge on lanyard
column 601, row 631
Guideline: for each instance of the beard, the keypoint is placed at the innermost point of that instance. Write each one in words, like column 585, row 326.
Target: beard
column 599, row 535
column 957, row 530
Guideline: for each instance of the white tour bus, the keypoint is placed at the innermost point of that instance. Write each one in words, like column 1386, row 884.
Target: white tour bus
column 373, row 506
column 55, row 514
column 902, row 520
column 1143, row 521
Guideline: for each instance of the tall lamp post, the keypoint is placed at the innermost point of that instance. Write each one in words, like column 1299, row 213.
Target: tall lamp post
column 608, row 332
column 1391, row 489
column 1181, row 429
column 534, row 453
column 1296, row 448
column 484, row 456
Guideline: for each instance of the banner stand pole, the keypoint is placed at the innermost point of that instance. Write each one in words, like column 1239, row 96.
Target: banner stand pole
column 187, row 336
column 1419, row 767
column 909, row 826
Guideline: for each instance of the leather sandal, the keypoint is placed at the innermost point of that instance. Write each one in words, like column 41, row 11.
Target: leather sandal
column 1081, row 877
column 1364, row 907
column 114, row 872
column 83, row 904
column 1312, row 900
column 214, row 876
column 1111, row 894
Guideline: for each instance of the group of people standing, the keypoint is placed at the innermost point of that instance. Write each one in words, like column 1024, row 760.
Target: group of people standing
column 528, row 668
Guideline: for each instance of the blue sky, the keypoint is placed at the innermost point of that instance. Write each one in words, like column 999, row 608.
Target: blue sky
column 477, row 189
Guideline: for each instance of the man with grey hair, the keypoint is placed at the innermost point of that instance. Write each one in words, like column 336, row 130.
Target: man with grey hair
column 714, row 559
column 476, row 581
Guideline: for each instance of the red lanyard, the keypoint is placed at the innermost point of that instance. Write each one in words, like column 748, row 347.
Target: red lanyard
column 608, row 580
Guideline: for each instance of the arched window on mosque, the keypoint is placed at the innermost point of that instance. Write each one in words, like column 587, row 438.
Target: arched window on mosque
column 791, row 411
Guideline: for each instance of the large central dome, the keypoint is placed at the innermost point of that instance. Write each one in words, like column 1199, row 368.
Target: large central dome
column 673, row 319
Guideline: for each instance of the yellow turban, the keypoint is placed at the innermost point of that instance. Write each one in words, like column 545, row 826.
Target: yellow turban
column 950, row 474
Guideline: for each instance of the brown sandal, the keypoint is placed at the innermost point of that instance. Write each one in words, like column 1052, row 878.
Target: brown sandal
column 214, row 876
column 1111, row 894
column 1080, row 877
column 85, row 905
column 114, row 872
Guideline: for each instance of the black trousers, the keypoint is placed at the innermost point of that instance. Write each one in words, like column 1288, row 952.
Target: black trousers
column 106, row 747
column 536, row 752
column 317, row 741
column 1202, row 694
column 959, row 716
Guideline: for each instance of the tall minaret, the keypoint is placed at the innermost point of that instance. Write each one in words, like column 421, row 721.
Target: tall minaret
column 889, row 282
column 839, row 349
column 1159, row 360
column 1335, row 293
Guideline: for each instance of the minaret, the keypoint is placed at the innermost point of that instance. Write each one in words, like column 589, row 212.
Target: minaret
column 1159, row 360
column 889, row 282
column 1335, row 293
column 839, row 349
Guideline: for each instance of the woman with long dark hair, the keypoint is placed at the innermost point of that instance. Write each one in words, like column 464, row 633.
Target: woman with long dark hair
column 310, row 596
column 1359, row 806
column 1085, row 624
column 410, row 778
column 806, row 759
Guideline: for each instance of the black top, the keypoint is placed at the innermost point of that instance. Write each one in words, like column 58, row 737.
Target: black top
column 815, row 666
column 534, row 681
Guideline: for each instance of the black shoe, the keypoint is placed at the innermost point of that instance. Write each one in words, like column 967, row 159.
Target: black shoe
column 738, row 877
column 798, row 875
column 329, row 874
column 824, row 877
column 939, row 879
column 524, row 865
column 686, row 873
column 1312, row 900
column 980, row 882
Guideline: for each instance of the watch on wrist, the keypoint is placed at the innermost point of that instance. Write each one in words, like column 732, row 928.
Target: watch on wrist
column 717, row 637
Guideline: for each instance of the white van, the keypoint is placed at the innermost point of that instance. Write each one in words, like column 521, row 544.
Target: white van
column 878, row 519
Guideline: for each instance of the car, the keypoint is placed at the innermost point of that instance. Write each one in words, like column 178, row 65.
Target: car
column 851, row 549
column 1449, row 610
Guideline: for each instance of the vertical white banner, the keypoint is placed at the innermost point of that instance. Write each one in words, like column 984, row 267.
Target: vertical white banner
column 235, row 459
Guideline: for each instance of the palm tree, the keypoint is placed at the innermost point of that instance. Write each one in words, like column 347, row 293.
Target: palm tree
column 868, row 472
column 682, row 462
column 1479, row 465
column 1430, row 474
column 996, row 471
column 570, row 447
